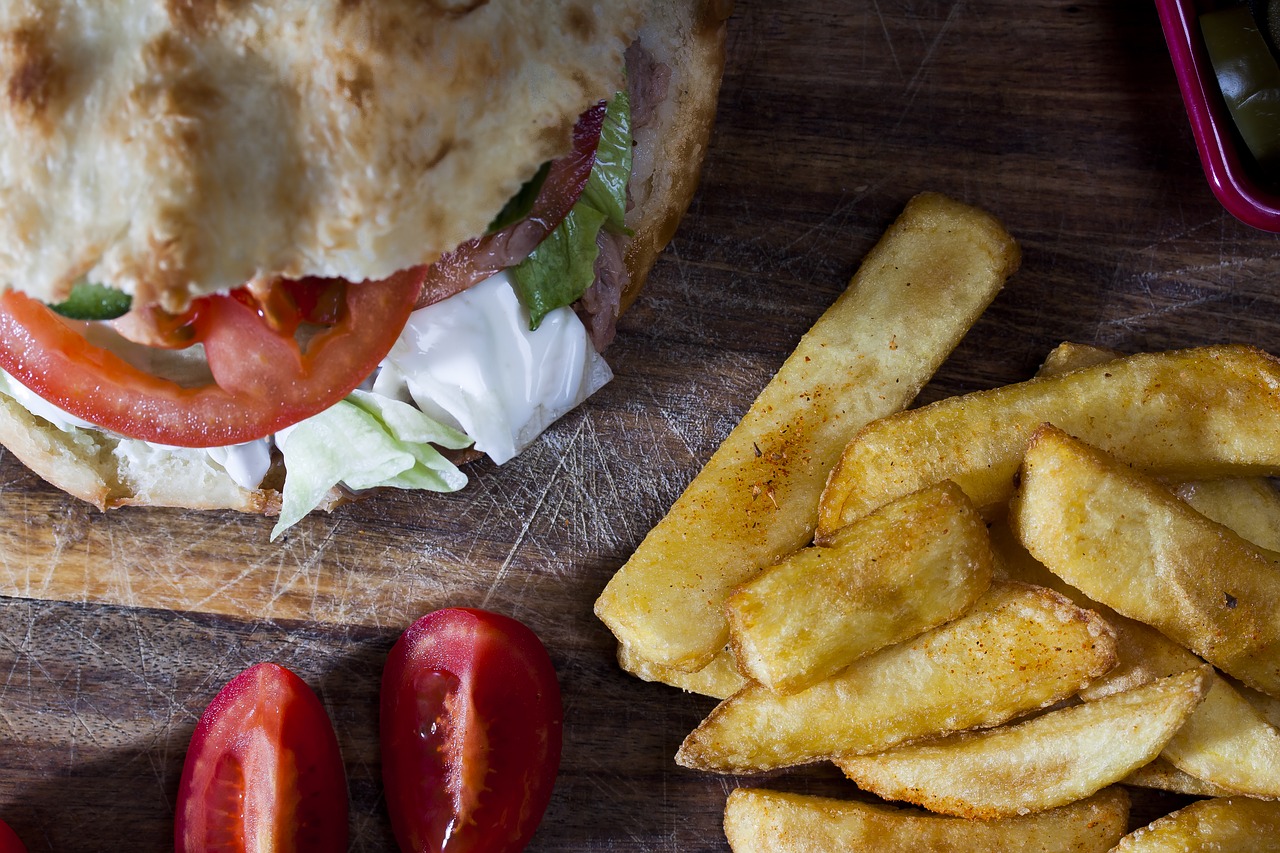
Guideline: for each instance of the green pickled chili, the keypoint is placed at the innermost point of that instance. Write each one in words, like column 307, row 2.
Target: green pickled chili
column 1249, row 77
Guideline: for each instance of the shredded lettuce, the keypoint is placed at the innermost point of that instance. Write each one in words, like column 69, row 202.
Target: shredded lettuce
column 395, row 442
column 562, row 267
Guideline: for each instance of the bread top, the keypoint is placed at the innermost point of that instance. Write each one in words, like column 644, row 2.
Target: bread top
column 173, row 148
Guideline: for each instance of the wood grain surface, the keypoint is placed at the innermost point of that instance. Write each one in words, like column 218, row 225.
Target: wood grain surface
column 1062, row 118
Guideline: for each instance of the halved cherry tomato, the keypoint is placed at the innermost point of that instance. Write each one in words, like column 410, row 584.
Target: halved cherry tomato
column 9, row 840
column 481, row 257
column 264, row 380
column 263, row 771
column 470, row 731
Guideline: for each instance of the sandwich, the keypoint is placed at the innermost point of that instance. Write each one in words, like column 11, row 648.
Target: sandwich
column 269, row 255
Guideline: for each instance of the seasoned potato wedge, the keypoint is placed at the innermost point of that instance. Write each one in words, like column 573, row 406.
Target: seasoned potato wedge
column 1049, row 761
column 1068, row 356
column 1267, row 706
column 719, row 679
column 1126, row 541
column 1210, row 412
column 1163, row 776
column 1225, row 825
column 1226, row 742
column 1018, row 649
column 916, row 294
column 908, row 567
column 762, row 821
column 1248, row 505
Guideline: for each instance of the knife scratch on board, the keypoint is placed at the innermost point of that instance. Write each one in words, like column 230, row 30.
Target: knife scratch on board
column 534, row 513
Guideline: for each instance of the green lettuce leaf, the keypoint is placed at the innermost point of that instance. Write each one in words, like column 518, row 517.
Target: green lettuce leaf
column 365, row 441
column 562, row 266
column 90, row 301
column 606, row 188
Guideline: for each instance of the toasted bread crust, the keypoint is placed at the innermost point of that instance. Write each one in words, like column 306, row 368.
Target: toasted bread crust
column 171, row 148
column 689, row 37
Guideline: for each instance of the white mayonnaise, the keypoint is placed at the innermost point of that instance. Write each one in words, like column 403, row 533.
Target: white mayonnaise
column 471, row 362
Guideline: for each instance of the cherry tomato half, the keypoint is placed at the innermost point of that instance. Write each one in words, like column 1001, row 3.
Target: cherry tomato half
column 470, row 731
column 263, row 771
column 263, row 380
column 9, row 840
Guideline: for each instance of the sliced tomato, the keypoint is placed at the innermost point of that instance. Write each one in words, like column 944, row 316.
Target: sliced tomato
column 481, row 257
column 471, row 732
column 264, row 380
column 263, row 771
column 9, row 840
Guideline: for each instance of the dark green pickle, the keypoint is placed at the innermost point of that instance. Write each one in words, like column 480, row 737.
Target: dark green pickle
column 1249, row 77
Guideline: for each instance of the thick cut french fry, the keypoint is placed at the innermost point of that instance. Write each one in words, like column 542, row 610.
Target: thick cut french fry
column 1068, row 356
column 1248, row 505
column 1163, row 776
column 1225, row 825
column 1020, row 648
column 719, row 679
column 1227, row 742
column 1267, row 706
column 918, row 291
column 908, row 567
column 762, row 821
column 1048, row 761
column 1211, row 412
column 1126, row 541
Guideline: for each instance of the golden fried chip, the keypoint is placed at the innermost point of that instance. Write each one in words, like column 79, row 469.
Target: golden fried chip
column 1020, row 648
column 1163, row 776
column 1226, row 744
column 1225, row 825
column 1126, row 541
column 916, row 294
column 1211, row 412
column 762, row 821
column 908, row 567
column 719, row 679
column 1248, row 505
column 1048, row 761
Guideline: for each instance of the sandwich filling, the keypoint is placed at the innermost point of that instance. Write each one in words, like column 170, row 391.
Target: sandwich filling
column 276, row 184
column 490, row 366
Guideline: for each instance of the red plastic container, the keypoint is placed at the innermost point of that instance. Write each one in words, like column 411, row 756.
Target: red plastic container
column 1211, row 124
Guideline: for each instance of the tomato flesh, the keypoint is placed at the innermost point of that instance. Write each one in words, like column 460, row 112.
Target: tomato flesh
column 471, row 728
column 263, row 771
column 9, row 841
column 264, row 380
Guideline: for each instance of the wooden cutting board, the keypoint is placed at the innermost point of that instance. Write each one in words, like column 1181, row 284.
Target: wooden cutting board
column 1063, row 119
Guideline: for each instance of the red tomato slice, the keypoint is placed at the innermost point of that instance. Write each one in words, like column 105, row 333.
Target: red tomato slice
column 470, row 731
column 9, row 840
column 264, row 381
column 263, row 771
